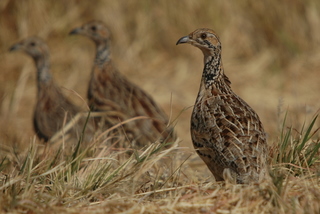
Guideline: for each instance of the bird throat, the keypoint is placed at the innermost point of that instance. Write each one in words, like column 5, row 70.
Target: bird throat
column 43, row 70
column 103, row 54
column 213, row 70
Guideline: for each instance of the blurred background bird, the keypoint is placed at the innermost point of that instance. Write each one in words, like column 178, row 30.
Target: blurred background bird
column 107, row 84
column 53, row 110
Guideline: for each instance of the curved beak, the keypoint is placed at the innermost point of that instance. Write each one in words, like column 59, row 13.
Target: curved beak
column 15, row 47
column 76, row 31
column 182, row 40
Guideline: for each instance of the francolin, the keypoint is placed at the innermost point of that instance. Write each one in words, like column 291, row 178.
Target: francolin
column 53, row 109
column 107, row 85
column 226, row 132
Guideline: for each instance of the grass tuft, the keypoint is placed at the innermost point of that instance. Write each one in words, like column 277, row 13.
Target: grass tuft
column 297, row 150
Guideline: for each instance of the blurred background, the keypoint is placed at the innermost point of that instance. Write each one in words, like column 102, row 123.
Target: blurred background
column 270, row 53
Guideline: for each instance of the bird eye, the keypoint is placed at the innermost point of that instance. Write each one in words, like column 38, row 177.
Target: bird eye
column 93, row 28
column 203, row 36
column 32, row 44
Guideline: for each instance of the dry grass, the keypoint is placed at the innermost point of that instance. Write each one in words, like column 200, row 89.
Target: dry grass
column 270, row 53
column 100, row 179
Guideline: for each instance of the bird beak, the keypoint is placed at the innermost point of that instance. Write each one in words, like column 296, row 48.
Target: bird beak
column 182, row 40
column 14, row 47
column 76, row 31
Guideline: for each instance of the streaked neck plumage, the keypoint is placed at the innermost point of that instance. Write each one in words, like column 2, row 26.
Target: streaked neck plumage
column 44, row 76
column 213, row 69
column 103, row 53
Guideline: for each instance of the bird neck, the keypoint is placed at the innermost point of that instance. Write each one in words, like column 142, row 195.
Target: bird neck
column 44, row 76
column 103, row 53
column 213, row 72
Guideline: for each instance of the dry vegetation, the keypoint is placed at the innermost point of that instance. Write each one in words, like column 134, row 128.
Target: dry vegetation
column 270, row 52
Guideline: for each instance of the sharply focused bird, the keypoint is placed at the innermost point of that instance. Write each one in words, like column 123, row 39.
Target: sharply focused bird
column 226, row 132
column 107, row 84
column 53, row 110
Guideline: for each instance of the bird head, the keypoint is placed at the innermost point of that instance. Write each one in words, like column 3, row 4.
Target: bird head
column 33, row 46
column 205, row 39
column 95, row 30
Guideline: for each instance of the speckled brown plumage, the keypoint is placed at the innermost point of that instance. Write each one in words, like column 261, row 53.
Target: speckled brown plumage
column 52, row 109
column 226, row 132
column 107, row 84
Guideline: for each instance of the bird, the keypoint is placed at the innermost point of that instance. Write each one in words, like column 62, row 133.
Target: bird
column 226, row 132
column 108, row 84
column 53, row 109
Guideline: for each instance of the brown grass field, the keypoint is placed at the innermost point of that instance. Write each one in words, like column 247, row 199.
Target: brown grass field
column 271, row 55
